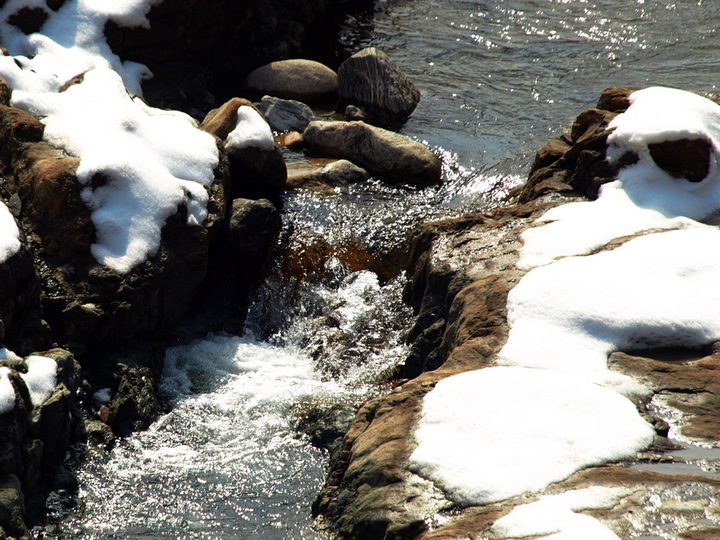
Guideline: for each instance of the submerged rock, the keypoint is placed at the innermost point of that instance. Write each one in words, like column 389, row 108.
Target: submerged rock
column 327, row 177
column 382, row 153
column 372, row 82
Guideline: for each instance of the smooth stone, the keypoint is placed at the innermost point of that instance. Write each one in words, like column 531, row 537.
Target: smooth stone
column 302, row 80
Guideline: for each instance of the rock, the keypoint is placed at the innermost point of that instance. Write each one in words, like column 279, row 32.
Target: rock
column 253, row 228
column 684, row 158
column 292, row 140
column 28, row 20
column 383, row 153
column 324, row 422
column 303, row 80
column 12, row 507
column 221, row 121
column 285, row 114
column 337, row 173
column 371, row 81
column 256, row 171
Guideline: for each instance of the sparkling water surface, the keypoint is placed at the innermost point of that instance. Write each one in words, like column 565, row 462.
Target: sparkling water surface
column 499, row 78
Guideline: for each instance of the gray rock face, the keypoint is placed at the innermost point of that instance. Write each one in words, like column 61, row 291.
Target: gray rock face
column 371, row 81
column 382, row 153
column 285, row 114
column 304, row 80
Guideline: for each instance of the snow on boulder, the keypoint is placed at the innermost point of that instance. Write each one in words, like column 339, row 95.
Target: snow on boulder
column 138, row 165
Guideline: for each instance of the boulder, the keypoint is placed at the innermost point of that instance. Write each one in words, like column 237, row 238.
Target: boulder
column 372, row 82
column 383, row 153
column 285, row 114
column 257, row 167
column 303, row 80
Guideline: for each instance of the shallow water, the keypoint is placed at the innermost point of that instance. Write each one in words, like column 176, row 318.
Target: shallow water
column 499, row 78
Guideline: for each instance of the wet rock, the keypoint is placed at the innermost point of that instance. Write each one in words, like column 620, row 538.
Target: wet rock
column 302, row 80
column 372, row 82
column 324, row 422
column 253, row 228
column 337, row 173
column 285, row 114
column 382, row 153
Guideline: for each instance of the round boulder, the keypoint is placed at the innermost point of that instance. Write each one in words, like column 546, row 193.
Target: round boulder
column 302, row 80
column 371, row 81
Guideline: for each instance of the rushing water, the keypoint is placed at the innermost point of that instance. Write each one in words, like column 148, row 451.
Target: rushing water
column 498, row 78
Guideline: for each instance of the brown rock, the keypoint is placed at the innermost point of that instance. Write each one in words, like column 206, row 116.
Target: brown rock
column 221, row 121
column 292, row 140
column 382, row 153
column 302, row 80
column 684, row 158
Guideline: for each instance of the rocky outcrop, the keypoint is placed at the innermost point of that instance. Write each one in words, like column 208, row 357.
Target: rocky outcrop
column 460, row 273
column 381, row 152
column 371, row 81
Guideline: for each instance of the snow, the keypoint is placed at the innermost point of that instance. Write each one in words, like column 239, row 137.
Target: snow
column 40, row 378
column 7, row 392
column 9, row 234
column 251, row 130
column 490, row 434
column 554, row 515
column 551, row 406
column 644, row 196
column 151, row 161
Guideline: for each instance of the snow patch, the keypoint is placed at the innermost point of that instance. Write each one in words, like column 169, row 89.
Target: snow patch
column 7, row 392
column 9, row 234
column 644, row 196
column 251, row 130
column 555, row 515
column 40, row 378
column 477, row 428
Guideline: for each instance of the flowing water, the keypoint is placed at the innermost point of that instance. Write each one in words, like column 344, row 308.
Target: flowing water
column 499, row 78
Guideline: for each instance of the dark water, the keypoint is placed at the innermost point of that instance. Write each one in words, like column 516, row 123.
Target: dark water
column 498, row 80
